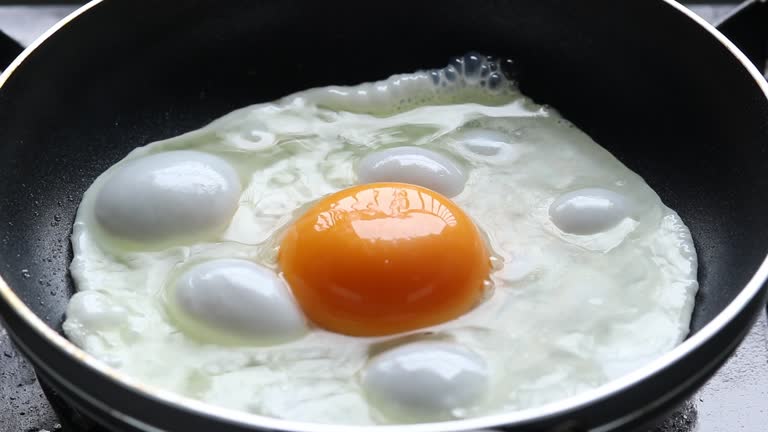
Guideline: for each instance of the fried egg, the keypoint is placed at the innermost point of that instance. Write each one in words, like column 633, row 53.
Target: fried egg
column 429, row 247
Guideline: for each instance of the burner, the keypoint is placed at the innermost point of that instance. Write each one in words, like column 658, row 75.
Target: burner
column 736, row 398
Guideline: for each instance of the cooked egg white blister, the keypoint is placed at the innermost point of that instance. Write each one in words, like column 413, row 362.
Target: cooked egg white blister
column 568, row 311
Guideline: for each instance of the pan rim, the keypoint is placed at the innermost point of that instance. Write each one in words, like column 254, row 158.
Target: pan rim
column 710, row 330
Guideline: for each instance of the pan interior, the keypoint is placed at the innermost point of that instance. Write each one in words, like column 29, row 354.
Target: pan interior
column 81, row 102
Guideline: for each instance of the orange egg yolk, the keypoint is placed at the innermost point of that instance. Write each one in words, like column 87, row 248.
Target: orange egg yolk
column 384, row 258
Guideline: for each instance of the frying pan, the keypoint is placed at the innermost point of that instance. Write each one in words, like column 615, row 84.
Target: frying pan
column 661, row 89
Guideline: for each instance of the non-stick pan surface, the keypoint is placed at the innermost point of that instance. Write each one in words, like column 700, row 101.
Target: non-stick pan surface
column 126, row 73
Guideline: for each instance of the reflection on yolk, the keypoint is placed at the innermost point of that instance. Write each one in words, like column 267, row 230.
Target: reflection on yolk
column 384, row 258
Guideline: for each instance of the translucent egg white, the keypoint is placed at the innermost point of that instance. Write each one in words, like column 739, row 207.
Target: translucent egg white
column 484, row 142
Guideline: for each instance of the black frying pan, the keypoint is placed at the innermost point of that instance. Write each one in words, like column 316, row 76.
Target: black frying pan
column 663, row 91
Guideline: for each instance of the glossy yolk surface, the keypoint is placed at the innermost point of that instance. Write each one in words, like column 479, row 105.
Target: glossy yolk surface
column 384, row 258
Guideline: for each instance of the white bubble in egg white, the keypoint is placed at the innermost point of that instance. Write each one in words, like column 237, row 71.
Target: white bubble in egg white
column 425, row 381
column 414, row 165
column 484, row 142
column 234, row 299
column 167, row 196
column 95, row 310
column 589, row 211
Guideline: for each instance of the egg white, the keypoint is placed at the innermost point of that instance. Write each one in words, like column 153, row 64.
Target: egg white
column 567, row 313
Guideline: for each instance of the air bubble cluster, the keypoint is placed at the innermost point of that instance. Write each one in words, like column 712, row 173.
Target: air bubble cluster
column 471, row 78
column 476, row 70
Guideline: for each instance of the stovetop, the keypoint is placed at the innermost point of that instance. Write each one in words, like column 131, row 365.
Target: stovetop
column 736, row 399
